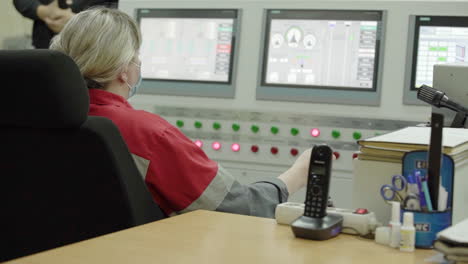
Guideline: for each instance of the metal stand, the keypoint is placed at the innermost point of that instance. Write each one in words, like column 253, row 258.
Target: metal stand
column 459, row 120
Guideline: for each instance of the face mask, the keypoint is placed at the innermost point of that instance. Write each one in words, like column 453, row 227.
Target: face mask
column 136, row 87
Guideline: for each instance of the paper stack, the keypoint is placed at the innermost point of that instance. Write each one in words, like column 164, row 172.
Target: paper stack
column 453, row 242
column 392, row 146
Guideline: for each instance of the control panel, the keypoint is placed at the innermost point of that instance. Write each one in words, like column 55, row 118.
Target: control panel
column 301, row 73
column 269, row 142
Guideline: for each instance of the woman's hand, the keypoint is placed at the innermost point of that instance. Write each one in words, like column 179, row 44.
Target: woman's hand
column 296, row 176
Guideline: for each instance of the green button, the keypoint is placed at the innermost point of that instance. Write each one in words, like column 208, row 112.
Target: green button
column 357, row 135
column 235, row 127
column 180, row 123
column 336, row 134
column 198, row 124
column 216, row 126
column 274, row 130
column 377, row 134
column 254, row 128
column 294, row 131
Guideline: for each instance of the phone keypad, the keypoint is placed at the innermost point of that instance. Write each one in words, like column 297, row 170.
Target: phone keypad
column 314, row 201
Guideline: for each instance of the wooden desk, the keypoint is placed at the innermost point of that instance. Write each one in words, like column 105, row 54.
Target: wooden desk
column 203, row 237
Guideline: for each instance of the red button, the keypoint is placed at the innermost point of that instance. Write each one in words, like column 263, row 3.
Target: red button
column 254, row 148
column 199, row 143
column 336, row 154
column 315, row 132
column 216, row 145
column 274, row 150
column 294, row 152
column 355, row 155
column 361, row 211
column 235, row 147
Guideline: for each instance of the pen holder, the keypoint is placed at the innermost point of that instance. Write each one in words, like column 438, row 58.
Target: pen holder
column 428, row 224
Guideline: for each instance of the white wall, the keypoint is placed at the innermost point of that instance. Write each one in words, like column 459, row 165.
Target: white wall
column 13, row 26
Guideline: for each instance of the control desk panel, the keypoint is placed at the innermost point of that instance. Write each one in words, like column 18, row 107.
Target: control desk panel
column 254, row 145
column 255, row 83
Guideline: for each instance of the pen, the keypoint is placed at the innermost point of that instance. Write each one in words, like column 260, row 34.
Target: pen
column 422, row 197
column 426, row 195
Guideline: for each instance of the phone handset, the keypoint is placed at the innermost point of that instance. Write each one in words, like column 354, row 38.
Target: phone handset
column 316, row 224
column 318, row 183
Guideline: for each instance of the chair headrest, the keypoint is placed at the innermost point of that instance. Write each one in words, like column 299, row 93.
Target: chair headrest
column 41, row 89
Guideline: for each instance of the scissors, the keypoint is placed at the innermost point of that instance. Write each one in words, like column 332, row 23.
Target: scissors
column 392, row 192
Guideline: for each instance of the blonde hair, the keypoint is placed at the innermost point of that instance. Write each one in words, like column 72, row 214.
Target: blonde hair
column 101, row 41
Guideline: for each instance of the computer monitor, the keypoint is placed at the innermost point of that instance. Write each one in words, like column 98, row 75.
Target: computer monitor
column 185, row 50
column 322, row 52
column 437, row 40
column 328, row 49
column 452, row 79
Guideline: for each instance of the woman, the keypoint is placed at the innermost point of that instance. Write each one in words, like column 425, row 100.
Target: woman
column 104, row 43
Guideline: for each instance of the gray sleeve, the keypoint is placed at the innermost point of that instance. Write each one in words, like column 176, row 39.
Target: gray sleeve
column 256, row 199
column 27, row 8
column 226, row 194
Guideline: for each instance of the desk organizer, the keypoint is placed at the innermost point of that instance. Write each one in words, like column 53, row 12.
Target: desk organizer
column 428, row 224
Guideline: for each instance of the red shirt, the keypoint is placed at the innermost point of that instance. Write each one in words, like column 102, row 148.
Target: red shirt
column 177, row 171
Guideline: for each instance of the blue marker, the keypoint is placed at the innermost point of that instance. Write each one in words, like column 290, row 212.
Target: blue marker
column 412, row 184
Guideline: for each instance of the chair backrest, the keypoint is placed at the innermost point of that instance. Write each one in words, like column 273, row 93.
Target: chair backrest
column 65, row 177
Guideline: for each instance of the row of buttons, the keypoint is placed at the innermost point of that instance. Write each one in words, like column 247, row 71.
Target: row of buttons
column 314, row 132
column 235, row 147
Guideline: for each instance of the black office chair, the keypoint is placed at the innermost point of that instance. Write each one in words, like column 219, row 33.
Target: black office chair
column 65, row 177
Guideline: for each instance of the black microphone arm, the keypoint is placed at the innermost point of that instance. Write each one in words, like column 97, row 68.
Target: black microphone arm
column 439, row 99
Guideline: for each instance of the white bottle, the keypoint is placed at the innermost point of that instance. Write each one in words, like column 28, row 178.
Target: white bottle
column 395, row 225
column 408, row 233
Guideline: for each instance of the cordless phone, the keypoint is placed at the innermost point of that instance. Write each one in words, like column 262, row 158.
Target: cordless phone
column 316, row 224
column 318, row 183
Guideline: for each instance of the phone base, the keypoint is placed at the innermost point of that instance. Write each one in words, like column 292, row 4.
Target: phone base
column 317, row 228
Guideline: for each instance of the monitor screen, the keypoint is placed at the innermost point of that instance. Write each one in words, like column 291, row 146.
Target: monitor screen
column 187, row 45
column 329, row 49
column 437, row 40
